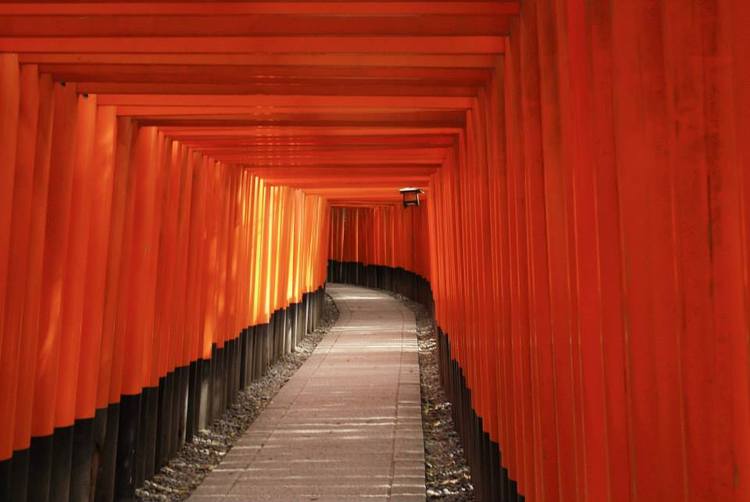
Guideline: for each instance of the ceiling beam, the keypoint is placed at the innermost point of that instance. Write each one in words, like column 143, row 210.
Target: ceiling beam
column 260, row 44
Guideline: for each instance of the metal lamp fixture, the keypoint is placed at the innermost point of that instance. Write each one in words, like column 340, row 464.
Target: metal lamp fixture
column 411, row 196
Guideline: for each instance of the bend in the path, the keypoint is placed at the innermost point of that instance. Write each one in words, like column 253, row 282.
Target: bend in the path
column 347, row 426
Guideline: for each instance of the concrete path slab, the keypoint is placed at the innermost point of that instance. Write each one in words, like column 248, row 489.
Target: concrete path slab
column 347, row 426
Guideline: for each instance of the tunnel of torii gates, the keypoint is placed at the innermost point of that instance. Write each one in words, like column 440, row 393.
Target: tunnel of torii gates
column 178, row 180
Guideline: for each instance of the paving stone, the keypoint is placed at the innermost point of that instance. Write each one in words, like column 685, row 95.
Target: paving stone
column 347, row 426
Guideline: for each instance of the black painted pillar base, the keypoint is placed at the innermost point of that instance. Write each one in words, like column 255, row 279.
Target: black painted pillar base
column 83, row 452
column 255, row 342
column 203, row 389
column 183, row 377
column 278, row 337
column 231, row 371
column 248, row 358
column 62, row 459
column 127, row 444
column 215, row 381
column 229, row 367
column 146, row 453
column 104, row 490
column 40, row 463
column 164, row 420
column 483, row 455
column 6, row 469
column 19, row 480
column 307, row 313
column 191, row 417
column 300, row 323
column 245, row 361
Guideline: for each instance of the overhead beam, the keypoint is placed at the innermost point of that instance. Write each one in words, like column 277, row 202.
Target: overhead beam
column 349, row 170
column 260, row 44
column 507, row 7
column 289, row 101
column 305, row 60
column 188, row 133
column 333, row 88
column 211, row 73
column 311, row 142
column 240, row 25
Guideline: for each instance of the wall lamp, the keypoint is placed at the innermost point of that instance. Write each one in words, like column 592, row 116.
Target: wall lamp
column 411, row 196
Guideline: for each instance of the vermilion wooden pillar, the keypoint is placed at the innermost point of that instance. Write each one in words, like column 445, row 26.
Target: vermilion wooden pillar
column 9, row 111
column 610, row 271
column 139, row 233
column 28, row 328
column 90, row 426
column 73, row 296
column 51, row 479
column 16, row 351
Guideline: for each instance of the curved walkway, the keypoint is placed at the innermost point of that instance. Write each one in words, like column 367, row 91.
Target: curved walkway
column 347, row 426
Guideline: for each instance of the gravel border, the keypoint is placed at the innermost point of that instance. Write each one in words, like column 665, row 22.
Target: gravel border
column 182, row 475
column 447, row 475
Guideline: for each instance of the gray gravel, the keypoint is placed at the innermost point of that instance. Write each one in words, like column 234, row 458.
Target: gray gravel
column 447, row 476
column 177, row 480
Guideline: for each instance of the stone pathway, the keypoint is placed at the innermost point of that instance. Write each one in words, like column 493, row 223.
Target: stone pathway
column 347, row 426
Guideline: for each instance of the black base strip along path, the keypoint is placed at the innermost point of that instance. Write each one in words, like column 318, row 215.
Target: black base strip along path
column 347, row 426
column 183, row 474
